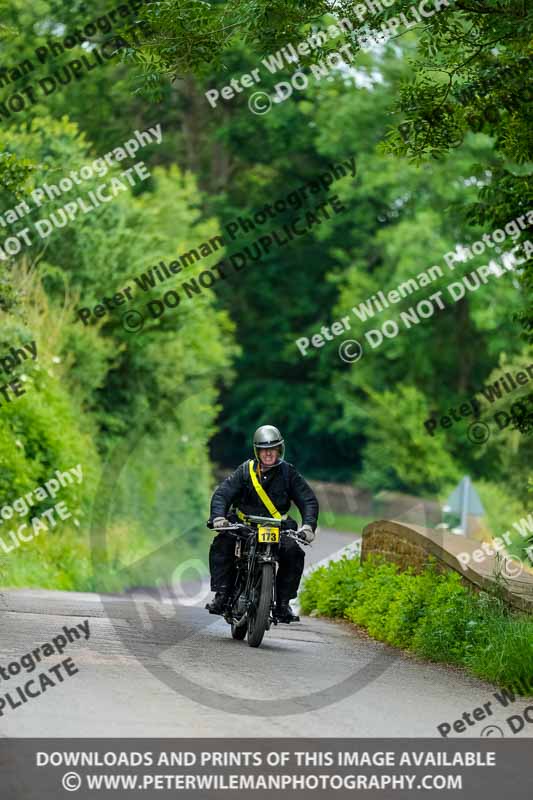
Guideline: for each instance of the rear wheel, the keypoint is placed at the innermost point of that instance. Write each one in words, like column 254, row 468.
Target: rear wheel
column 258, row 617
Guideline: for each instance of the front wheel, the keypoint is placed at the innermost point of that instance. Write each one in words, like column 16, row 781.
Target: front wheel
column 258, row 618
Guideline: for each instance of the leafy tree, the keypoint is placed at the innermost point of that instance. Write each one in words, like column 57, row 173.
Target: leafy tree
column 92, row 385
column 398, row 453
column 441, row 159
column 470, row 72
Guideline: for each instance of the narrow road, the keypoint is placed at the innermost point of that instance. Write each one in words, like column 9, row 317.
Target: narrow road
column 153, row 666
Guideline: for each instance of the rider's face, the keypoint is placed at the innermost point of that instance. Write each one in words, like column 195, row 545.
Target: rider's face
column 269, row 456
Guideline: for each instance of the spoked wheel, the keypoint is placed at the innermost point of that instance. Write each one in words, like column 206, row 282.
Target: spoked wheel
column 258, row 616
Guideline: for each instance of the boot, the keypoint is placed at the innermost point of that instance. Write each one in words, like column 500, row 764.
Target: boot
column 218, row 604
column 284, row 613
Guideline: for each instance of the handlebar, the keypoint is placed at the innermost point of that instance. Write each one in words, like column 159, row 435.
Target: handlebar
column 246, row 529
column 299, row 539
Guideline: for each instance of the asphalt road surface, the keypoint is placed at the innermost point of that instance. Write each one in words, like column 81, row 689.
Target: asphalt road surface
column 155, row 665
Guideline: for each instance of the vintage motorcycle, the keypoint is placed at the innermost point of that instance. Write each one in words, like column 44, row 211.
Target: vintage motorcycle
column 251, row 608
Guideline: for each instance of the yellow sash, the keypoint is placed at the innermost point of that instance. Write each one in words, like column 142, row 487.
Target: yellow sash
column 263, row 495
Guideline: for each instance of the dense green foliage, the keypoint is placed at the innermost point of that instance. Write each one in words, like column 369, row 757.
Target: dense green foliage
column 91, row 386
column 471, row 72
column 402, row 218
column 429, row 614
column 192, row 385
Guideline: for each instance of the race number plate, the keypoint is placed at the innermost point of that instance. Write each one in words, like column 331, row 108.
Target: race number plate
column 267, row 535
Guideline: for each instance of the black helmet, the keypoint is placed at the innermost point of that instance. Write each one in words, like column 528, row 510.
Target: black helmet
column 267, row 436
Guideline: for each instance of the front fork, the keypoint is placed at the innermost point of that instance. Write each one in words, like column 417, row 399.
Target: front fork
column 265, row 556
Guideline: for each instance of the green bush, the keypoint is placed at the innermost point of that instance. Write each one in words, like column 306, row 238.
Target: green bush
column 329, row 590
column 375, row 593
column 396, row 454
column 431, row 614
column 502, row 511
column 96, row 390
column 503, row 652
column 450, row 620
column 65, row 559
column 408, row 607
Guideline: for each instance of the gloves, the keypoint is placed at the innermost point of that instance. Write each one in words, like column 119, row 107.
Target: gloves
column 307, row 533
column 220, row 522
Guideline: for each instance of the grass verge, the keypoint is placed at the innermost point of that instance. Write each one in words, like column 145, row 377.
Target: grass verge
column 63, row 559
column 345, row 523
column 433, row 615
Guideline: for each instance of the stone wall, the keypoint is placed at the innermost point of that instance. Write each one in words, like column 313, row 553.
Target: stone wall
column 413, row 546
column 394, row 546
column 346, row 498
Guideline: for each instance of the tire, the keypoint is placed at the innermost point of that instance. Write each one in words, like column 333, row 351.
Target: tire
column 258, row 622
column 239, row 632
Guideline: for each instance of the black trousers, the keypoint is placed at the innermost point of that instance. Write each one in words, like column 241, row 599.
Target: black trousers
column 290, row 568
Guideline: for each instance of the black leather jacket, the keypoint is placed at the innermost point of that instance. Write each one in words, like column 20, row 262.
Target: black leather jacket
column 282, row 483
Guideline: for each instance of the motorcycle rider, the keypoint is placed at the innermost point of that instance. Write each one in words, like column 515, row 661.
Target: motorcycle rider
column 282, row 483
